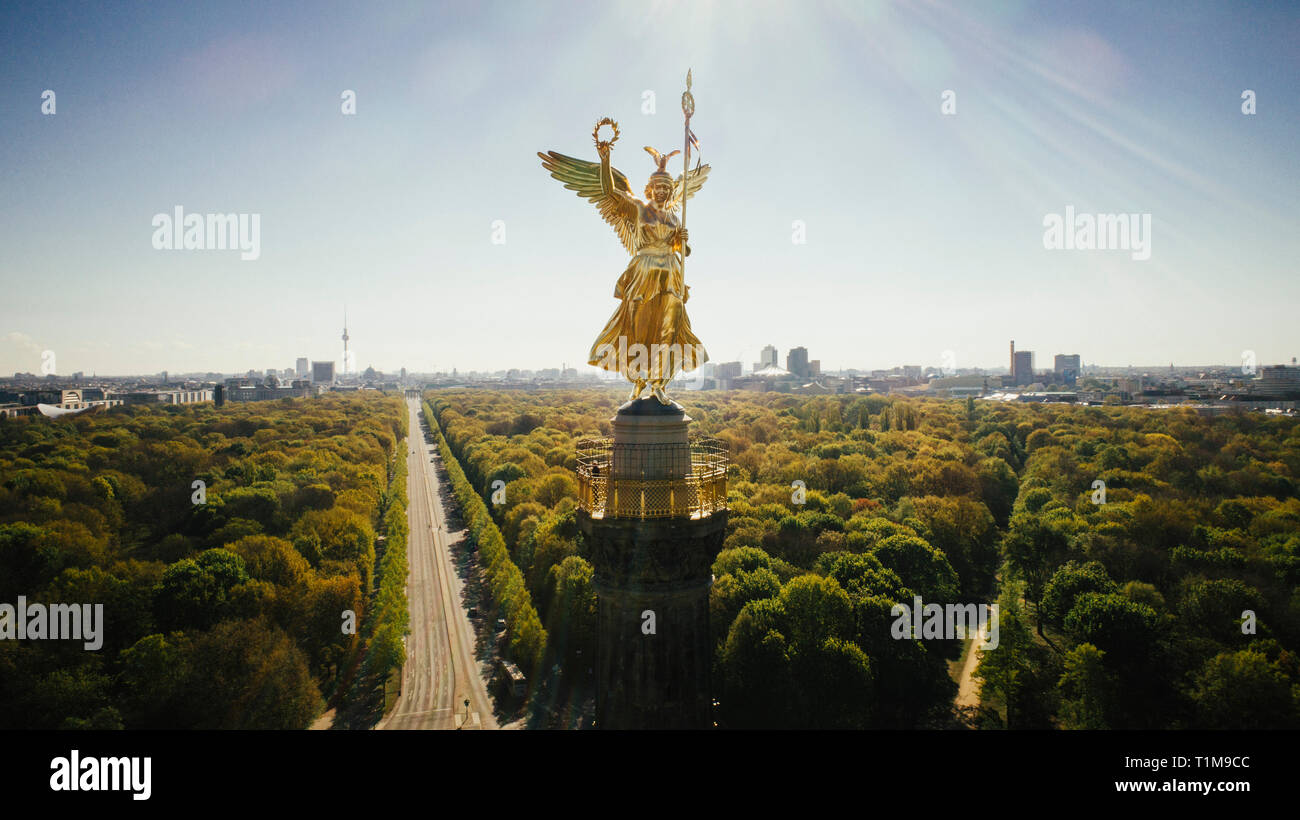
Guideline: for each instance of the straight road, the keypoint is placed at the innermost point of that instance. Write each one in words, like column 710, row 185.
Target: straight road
column 440, row 673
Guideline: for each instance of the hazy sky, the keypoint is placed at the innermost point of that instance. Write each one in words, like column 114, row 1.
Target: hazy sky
column 924, row 231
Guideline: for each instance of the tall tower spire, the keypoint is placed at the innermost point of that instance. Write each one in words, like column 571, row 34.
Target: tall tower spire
column 345, row 340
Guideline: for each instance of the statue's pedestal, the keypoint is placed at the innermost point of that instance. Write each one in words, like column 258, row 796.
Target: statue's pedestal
column 646, row 421
column 653, row 568
column 650, row 460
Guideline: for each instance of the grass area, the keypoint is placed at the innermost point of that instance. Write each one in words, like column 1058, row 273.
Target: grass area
column 392, row 689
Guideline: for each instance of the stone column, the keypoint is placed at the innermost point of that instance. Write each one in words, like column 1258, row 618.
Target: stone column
column 653, row 573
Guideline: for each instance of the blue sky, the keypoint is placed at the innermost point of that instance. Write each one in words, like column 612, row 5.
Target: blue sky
column 924, row 231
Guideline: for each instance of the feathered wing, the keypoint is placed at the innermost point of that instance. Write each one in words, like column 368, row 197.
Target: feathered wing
column 584, row 177
column 694, row 182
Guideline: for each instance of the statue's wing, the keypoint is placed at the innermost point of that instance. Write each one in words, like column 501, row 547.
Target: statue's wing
column 694, row 182
column 584, row 177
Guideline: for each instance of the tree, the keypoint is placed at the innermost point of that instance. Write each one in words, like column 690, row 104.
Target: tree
column 271, row 559
column 1068, row 583
column 756, row 681
column 571, row 624
column 964, row 531
column 151, row 680
column 815, row 609
column 197, row 592
column 1125, row 630
column 834, row 681
column 998, row 487
column 924, row 569
column 249, row 675
column 864, row 574
column 1019, row 672
column 341, row 534
column 732, row 591
column 741, row 559
column 1087, row 689
column 1243, row 690
column 27, row 560
column 1034, row 547
column 1214, row 608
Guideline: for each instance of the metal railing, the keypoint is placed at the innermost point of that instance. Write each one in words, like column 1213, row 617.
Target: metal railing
column 652, row 480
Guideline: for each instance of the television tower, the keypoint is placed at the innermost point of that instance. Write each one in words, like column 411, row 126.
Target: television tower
column 345, row 341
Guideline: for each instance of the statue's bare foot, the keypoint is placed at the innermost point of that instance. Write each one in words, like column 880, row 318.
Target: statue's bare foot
column 659, row 393
column 637, row 387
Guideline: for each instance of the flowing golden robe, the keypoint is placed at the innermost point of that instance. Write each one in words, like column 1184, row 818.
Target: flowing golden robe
column 652, row 310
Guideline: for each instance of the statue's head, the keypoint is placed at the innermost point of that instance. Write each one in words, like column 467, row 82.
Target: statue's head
column 660, row 187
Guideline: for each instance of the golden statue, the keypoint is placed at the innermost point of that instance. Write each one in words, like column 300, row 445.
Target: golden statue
column 649, row 338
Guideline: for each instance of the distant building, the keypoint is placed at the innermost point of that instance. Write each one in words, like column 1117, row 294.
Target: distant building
column 1066, row 367
column 796, row 361
column 813, row 388
column 728, row 371
column 766, row 359
column 1277, row 381
column 153, row 396
column 321, row 373
column 772, row 377
column 302, row 368
column 1023, row 372
column 240, row 390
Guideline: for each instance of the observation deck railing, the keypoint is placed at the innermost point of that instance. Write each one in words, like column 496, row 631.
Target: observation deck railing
column 641, row 481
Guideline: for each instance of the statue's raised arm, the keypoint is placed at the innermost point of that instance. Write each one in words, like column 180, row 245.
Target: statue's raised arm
column 601, row 184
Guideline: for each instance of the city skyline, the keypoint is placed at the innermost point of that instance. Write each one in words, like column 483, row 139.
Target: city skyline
column 584, row 370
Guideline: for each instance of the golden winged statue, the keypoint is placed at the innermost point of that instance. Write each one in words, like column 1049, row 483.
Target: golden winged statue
column 649, row 338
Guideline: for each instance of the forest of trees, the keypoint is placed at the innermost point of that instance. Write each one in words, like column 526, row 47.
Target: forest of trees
column 1146, row 563
column 1116, row 612
column 224, row 602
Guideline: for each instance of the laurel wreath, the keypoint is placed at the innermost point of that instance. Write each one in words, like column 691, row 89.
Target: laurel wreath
column 595, row 132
